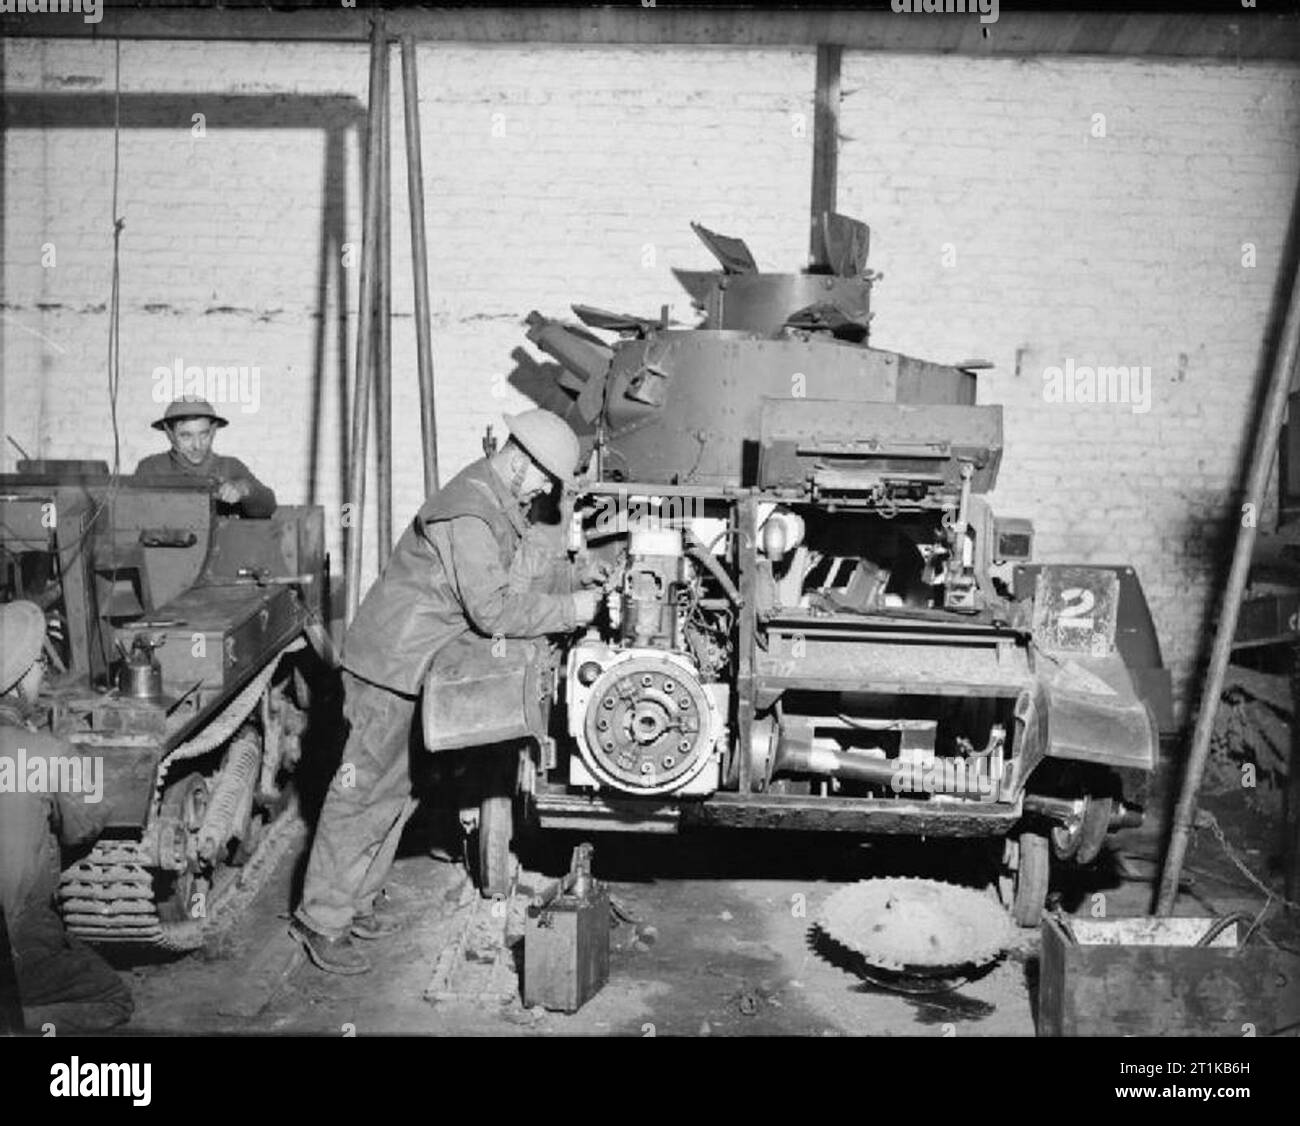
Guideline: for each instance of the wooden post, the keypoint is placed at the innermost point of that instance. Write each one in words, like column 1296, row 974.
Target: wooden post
column 384, row 333
column 420, row 265
column 1270, row 427
column 826, row 145
column 361, row 390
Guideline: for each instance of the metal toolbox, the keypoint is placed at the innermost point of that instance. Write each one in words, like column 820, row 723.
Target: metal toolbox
column 216, row 637
column 1148, row 977
column 566, row 941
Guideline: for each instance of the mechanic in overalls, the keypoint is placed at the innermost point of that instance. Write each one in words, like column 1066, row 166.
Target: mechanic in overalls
column 449, row 575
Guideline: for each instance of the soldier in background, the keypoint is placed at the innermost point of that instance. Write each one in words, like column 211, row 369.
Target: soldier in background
column 61, row 980
column 190, row 424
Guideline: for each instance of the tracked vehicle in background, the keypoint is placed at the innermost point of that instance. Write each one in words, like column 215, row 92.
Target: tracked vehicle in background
column 178, row 638
column 816, row 620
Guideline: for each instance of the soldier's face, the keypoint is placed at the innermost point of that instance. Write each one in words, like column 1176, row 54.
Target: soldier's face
column 536, row 482
column 192, row 439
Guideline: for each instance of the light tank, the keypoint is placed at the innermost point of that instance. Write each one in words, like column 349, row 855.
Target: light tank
column 816, row 621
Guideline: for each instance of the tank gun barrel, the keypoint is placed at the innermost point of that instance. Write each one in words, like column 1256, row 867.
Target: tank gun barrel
column 579, row 352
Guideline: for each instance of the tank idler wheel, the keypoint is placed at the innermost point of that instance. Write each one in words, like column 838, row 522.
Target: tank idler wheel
column 1096, row 824
column 1082, row 840
column 1065, row 839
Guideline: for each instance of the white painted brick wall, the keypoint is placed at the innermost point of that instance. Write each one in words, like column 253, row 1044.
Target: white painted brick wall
column 551, row 176
column 1118, row 250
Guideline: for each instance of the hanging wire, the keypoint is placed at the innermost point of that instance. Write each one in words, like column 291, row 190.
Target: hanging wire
column 114, row 311
column 76, row 545
column 113, row 366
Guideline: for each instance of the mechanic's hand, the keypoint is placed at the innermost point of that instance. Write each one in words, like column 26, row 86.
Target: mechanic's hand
column 232, row 492
column 586, row 603
column 596, row 572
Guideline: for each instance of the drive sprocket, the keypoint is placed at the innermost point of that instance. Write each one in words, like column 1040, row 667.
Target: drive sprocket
column 922, row 935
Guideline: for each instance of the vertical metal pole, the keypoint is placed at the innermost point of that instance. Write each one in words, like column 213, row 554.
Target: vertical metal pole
column 361, row 391
column 826, row 145
column 1270, row 426
column 420, row 264
column 745, row 513
column 384, row 331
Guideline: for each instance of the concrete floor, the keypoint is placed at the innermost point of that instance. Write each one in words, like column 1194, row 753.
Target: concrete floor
column 733, row 954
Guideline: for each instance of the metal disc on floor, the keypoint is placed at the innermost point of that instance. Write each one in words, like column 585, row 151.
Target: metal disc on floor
column 915, row 935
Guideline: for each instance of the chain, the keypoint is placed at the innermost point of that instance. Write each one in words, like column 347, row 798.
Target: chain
column 1205, row 818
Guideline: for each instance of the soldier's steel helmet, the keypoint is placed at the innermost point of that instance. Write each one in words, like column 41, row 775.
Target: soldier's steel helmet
column 22, row 630
column 549, row 441
column 188, row 407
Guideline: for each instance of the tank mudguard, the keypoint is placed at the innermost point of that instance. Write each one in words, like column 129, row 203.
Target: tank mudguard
column 1086, row 709
column 1135, row 636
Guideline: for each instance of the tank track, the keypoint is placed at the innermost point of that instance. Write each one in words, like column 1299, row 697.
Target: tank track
column 108, row 897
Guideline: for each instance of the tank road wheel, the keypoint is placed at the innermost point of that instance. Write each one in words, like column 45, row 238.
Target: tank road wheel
column 490, row 852
column 492, row 849
column 186, row 803
column 1026, row 864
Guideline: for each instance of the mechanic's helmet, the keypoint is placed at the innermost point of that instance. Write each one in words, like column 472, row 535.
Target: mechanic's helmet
column 22, row 631
column 548, row 440
column 191, row 406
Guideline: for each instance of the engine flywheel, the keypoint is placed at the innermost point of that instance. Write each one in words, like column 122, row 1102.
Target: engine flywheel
column 917, row 935
column 649, row 726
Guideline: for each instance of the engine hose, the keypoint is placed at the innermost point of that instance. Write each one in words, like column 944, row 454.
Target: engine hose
column 697, row 550
column 233, row 797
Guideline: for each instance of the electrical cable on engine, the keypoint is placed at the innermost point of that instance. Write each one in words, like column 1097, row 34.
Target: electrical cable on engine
column 695, row 547
column 726, row 533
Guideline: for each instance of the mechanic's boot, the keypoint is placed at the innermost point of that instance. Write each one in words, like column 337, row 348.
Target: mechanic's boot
column 333, row 955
